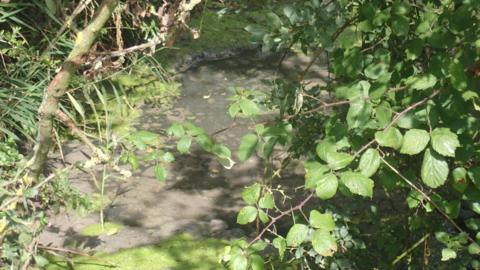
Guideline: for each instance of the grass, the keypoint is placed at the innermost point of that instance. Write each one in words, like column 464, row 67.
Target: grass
column 180, row 252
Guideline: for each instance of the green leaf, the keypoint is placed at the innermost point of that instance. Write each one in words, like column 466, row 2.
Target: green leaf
column 326, row 186
column 474, row 249
column 448, row 254
column 257, row 262
column 458, row 77
column 263, row 216
column 383, row 114
column 221, row 151
column 267, row 201
column 322, row 221
column 41, row 261
column 167, row 157
column 239, row 262
column 358, row 114
column 281, row 245
column 297, row 235
column 160, row 173
column 357, row 183
column 369, row 162
column 132, row 159
column 376, row 70
column 314, row 171
column 234, row 109
column 176, row 130
column 474, row 175
column 324, row 243
column 414, row 48
column 399, row 25
column 247, row 146
column 389, row 138
column 434, row 169
column 460, row 179
column 400, row 7
column 183, row 145
column 414, row 141
column 444, row 141
column 324, row 147
column 248, row 107
column 246, row 215
column 421, row 82
column 251, row 194
column 78, row 106
column 337, row 161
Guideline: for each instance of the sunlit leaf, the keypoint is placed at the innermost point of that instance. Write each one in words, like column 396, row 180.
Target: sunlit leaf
column 434, row 170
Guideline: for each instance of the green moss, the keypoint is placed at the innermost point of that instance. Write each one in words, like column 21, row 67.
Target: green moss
column 180, row 252
column 217, row 33
column 97, row 229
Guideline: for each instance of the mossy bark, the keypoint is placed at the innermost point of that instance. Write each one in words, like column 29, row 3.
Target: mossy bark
column 58, row 86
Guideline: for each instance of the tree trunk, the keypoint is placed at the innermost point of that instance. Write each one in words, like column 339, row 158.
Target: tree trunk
column 58, row 86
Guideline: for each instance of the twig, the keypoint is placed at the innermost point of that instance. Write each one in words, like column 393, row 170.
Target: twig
column 405, row 253
column 68, row 22
column 282, row 214
column 411, row 107
column 78, row 253
column 426, row 197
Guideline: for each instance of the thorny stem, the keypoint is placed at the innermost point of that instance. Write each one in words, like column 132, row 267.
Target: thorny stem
column 281, row 215
column 428, row 198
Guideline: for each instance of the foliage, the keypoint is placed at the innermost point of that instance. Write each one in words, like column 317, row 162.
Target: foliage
column 404, row 126
column 23, row 208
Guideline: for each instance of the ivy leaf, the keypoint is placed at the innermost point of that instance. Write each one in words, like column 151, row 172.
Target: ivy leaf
column 358, row 183
column 324, row 243
column 297, row 235
column 369, row 162
column 247, row 146
column 444, row 141
column 389, row 138
column 337, row 161
column 324, row 147
column 281, row 245
column 183, row 145
column 322, row 221
column 160, row 173
column 421, row 82
column 434, row 170
column 246, row 215
column 414, row 141
column 327, row 186
column 251, row 194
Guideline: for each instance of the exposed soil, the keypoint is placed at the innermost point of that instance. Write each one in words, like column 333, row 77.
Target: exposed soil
column 200, row 196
